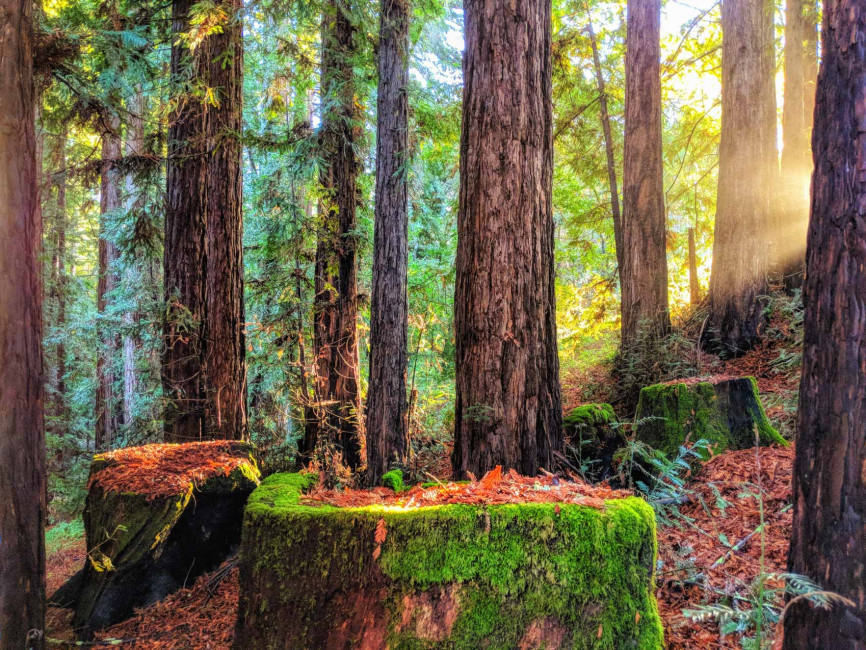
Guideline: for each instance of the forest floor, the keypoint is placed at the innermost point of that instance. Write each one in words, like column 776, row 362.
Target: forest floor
column 711, row 547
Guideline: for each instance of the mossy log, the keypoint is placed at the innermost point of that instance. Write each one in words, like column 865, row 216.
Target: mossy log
column 142, row 546
column 726, row 414
column 453, row 576
column 593, row 438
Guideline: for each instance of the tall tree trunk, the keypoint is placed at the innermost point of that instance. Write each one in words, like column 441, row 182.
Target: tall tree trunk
column 694, row 282
column 109, row 405
column 22, row 432
column 740, row 258
column 336, row 264
column 508, row 409
column 387, row 437
column 796, row 171
column 225, row 348
column 58, row 269
column 644, row 233
column 131, row 343
column 608, row 148
column 184, row 258
column 828, row 541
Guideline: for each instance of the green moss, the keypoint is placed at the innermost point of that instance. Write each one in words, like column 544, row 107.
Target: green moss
column 725, row 415
column 589, row 415
column 393, row 480
column 513, row 565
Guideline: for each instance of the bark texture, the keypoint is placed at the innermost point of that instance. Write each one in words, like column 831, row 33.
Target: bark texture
column 184, row 258
column 225, row 347
column 644, row 259
column 694, row 281
column 387, row 436
column 22, row 432
column 204, row 375
column 829, row 536
column 336, row 302
column 796, row 169
column 746, row 176
column 508, row 409
column 109, row 404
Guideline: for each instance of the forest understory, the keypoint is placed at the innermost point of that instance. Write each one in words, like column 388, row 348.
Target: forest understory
column 713, row 551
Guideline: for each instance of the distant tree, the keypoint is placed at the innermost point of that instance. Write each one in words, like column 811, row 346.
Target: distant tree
column 828, row 541
column 644, row 257
column 336, row 285
column 109, row 405
column 747, row 176
column 22, row 432
column 203, row 363
column 387, row 437
column 508, row 409
column 801, row 58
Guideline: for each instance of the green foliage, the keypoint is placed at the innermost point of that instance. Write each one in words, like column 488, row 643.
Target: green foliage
column 393, row 480
column 63, row 534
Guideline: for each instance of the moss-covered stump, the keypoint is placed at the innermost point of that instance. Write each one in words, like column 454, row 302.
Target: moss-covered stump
column 593, row 438
column 539, row 575
column 725, row 414
column 156, row 517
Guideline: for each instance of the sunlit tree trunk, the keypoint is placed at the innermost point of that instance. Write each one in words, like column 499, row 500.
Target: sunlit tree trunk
column 22, row 433
column 608, row 149
column 796, row 171
column 828, row 542
column 694, row 282
column 225, row 347
column 508, row 409
column 746, row 177
column 336, row 302
column 184, row 245
column 387, row 438
column 109, row 405
column 644, row 258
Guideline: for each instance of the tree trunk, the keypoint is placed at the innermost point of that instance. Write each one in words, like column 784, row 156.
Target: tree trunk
column 336, row 337
column 508, row 409
column 608, row 149
column 58, row 270
column 740, row 258
column 22, row 433
column 644, row 259
column 225, row 347
column 796, row 172
column 131, row 343
column 828, row 543
column 387, row 437
column 109, row 405
column 184, row 257
column 694, row 282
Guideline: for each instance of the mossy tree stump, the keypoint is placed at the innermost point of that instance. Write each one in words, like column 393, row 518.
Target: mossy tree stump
column 593, row 438
column 454, row 576
column 726, row 414
column 156, row 517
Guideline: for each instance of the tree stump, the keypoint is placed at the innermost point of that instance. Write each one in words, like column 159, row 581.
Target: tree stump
column 156, row 517
column 726, row 414
column 593, row 439
column 453, row 576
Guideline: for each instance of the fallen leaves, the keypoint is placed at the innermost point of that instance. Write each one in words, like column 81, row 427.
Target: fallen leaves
column 494, row 488
column 164, row 470
column 379, row 537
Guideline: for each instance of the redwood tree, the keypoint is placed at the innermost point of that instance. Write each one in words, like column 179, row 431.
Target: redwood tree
column 746, row 178
column 828, row 541
column 508, row 409
column 203, row 363
column 644, row 260
column 387, row 438
column 22, row 432
column 796, row 170
column 184, row 245
column 109, row 406
column 336, row 302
